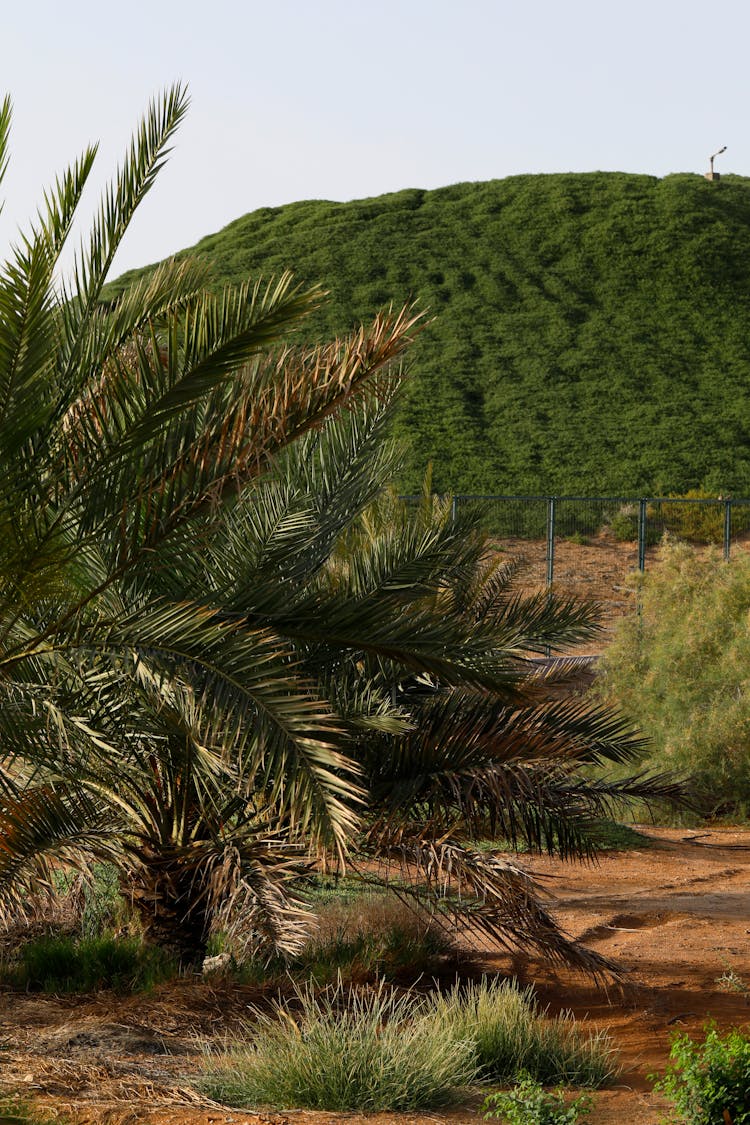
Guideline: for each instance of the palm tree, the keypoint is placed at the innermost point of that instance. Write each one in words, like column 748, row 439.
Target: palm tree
column 222, row 650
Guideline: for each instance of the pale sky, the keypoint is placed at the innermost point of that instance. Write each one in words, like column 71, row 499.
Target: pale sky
column 342, row 99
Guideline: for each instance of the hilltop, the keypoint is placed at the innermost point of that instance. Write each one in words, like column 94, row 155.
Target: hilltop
column 591, row 332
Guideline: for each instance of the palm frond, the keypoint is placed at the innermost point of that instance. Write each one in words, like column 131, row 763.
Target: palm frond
column 6, row 112
column 28, row 318
column 147, row 152
column 479, row 894
column 283, row 736
column 47, row 826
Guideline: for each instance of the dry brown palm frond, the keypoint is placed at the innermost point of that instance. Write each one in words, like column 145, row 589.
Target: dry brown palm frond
column 480, row 894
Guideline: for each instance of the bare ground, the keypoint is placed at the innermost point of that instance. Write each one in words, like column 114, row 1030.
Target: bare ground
column 676, row 914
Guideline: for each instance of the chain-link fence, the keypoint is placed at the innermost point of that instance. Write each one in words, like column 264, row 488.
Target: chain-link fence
column 589, row 545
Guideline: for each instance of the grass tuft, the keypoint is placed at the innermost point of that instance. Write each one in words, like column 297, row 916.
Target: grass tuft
column 373, row 1050
column 343, row 1050
column 65, row 964
column 512, row 1036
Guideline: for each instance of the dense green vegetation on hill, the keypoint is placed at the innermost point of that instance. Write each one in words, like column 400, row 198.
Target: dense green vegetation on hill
column 591, row 332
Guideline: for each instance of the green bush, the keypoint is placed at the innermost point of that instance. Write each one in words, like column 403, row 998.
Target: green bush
column 512, row 1036
column 709, row 1082
column 343, row 1050
column 530, row 1104
column 679, row 671
column 64, row 964
column 624, row 524
column 698, row 523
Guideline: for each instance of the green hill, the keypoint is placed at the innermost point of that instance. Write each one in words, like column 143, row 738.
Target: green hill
column 591, row 333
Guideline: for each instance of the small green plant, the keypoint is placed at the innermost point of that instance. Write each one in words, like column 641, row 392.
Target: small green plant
column 709, row 1082
column 342, row 1050
column 513, row 1036
column 528, row 1103
column 730, row 981
column 579, row 539
column 64, row 964
column 104, row 908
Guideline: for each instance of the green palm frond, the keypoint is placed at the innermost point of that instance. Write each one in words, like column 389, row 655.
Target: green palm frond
column 146, row 155
column 269, row 718
column 472, row 768
column 6, row 110
column 167, row 291
column 28, row 320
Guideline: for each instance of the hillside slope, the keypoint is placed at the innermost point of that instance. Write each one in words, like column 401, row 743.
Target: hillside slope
column 591, row 333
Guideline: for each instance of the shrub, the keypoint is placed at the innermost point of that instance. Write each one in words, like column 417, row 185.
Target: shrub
column 512, row 1036
column 701, row 523
column 63, row 964
column 530, row 1104
column 709, row 1082
column 624, row 524
column 698, row 523
column 344, row 1050
column 679, row 670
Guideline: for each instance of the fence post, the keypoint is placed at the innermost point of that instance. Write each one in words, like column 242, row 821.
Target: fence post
column 727, row 528
column 551, row 504
column 454, row 509
column 642, row 517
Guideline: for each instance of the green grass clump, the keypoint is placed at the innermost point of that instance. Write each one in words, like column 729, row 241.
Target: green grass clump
column 373, row 1050
column 512, row 1036
column 65, row 964
column 343, row 1050
column 709, row 1082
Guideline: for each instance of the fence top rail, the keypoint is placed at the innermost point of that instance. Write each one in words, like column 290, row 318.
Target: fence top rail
column 590, row 499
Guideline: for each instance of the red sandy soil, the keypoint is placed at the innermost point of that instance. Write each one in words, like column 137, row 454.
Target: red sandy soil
column 675, row 914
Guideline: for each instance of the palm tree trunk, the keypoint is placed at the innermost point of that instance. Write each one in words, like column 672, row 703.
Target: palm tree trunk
column 169, row 902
